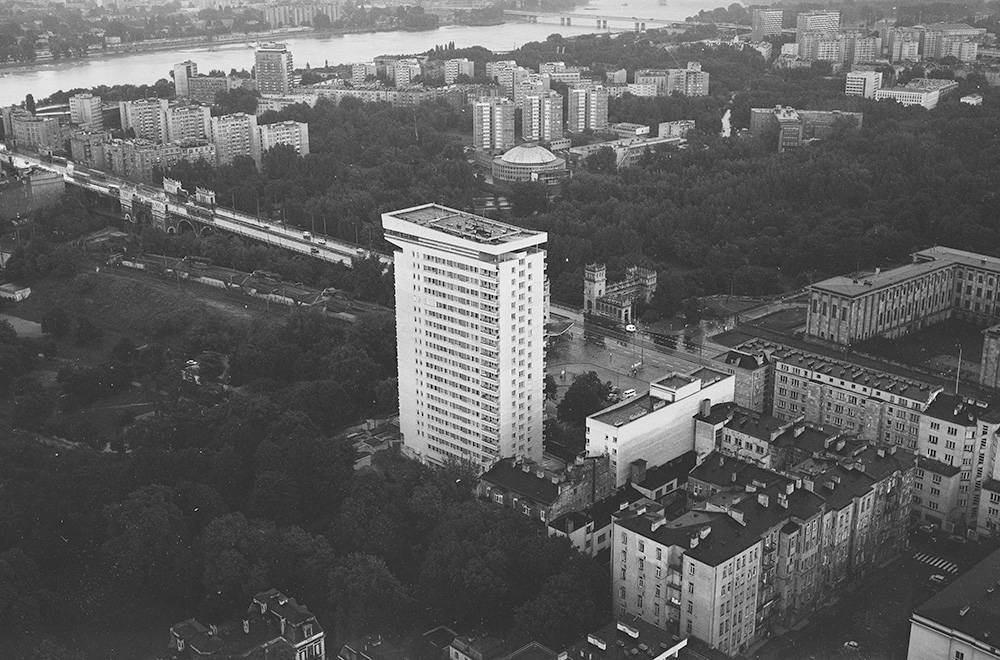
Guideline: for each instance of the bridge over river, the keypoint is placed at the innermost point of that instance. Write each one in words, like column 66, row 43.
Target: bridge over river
column 607, row 22
column 173, row 209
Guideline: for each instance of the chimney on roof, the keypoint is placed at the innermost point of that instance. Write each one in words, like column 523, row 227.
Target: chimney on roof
column 799, row 430
column 763, row 499
column 722, row 460
column 246, row 626
column 733, row 476
column 637, row 471
column 782, row 500
column 789, row 488
column 705, row 409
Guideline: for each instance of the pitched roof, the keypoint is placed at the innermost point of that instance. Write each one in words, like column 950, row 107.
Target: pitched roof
column 511, row 477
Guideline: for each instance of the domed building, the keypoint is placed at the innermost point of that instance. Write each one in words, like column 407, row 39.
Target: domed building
column 528, row 162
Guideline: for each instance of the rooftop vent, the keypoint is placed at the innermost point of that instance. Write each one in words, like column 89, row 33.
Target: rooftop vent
column 628, row 630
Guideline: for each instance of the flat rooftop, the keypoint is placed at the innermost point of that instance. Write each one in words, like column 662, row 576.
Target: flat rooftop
column 925, row 261
column 970, row 604
column 462, row 224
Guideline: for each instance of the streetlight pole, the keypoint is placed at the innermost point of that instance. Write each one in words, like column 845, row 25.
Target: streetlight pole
column 958, row 369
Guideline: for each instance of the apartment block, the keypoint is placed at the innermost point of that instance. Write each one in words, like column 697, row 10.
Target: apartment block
column 470, row 314
column 876, row 403
column 939, row 40
column 292, row 133
column 362, row 71
column 545, row 492
column 817, row 20
column 203, row 89
column 958, row 443
column 458, row 67
column 863, row 83
column 542, row 117
column 300, row 13
column 406, row 71
column 588, row 109
column 940, row 283
column 146, row 117
column 765, row 22
column 493, row 124
column 535, row 84
column 753, row 378
column 188, row 121
column 273, row 69
column 235, row 135
column 85, row 111
column 507, row 74
column 904, row 44
column 690, row 81
column 656, row 426
column 137, row 159
column 182, row 73
column 34, row 132
column 87, row 148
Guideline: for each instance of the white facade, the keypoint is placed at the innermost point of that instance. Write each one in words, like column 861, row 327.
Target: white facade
column 542, row 117
column 863, row 83
column 235, row 135
column 293, row 133
column 405, row 71
column 924, row 98
column 817, row 20
column 458, row 67
column 588, row 109
column 273, row 69
column 147, row 117
column 493, row 124
column 85, row 111
column 470, row 314
column 360, row 71
column 658, row 426
column 188, row 122
column 182, row 72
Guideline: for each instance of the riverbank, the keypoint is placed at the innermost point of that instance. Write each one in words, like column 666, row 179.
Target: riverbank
column 207, row 41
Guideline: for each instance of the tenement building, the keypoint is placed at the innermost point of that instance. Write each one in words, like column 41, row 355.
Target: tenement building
column 754, row 550
column 940, row 283
column 470, row 313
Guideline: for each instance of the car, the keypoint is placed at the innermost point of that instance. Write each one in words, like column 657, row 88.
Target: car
column 926, row 528
column 936, row 579
column 851, row 645
column 630, row 327
column 321, row 241
column 629, row 393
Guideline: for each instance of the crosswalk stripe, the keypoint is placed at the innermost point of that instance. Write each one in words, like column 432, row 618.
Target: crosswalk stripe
column 937, row 562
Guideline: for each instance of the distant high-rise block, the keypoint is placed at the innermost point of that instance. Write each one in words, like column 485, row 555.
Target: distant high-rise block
column 765, row 22
column 470, row 315
column 588, row 109
column 273, row 69
column 235, row 135
column 295, row 134
column 188, row 121
column 458, row 67
column 182, row 72
column 542, row 117
column 817, row 20
column 147, row 117
column 493, row 124
column 85, row 111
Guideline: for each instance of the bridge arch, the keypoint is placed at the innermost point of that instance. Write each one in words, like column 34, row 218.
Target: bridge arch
column 184, row 227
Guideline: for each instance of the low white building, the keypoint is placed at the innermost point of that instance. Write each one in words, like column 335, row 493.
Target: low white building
column 657, row 426
column 962, row 621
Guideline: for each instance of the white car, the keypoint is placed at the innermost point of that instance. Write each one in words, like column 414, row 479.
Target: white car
column 630, row 328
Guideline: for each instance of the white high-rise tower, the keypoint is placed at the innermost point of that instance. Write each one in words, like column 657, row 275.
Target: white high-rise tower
column 470, row 316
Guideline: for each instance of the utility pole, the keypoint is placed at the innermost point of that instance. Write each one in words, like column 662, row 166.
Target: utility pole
column 958, row 369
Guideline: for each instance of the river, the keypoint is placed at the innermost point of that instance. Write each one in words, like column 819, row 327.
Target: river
column 145, row 68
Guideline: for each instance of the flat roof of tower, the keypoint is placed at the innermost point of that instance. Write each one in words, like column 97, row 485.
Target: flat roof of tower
column 463, row 224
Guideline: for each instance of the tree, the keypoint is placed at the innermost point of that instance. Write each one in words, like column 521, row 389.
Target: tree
column 29, row 103
column 149, row 548
column 369, row 598
column 571, row 602
column 586, row 395
column 551, row 389
column 603, row 161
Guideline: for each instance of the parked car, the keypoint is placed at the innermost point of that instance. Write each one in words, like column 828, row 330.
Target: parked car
column 937, row 579
column 630, row 327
